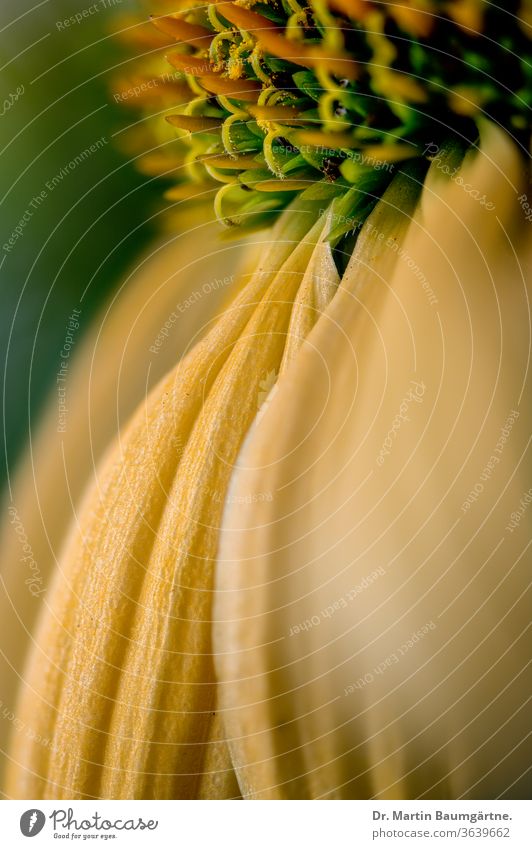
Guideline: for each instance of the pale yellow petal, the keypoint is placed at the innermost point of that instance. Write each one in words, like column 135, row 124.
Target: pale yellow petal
column 121, row 675
column 163, row 305
column 372, row 618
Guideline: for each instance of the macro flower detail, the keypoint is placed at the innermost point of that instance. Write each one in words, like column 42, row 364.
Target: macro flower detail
column 412, row 686
column 293, row 574
column 325, row 99
column 134, row 588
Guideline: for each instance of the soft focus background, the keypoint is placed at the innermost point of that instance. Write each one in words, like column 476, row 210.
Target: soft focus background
column 76, row 239
column 104, row 284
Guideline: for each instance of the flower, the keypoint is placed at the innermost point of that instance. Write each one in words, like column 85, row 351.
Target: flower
column 294, row 575
column 338, row 681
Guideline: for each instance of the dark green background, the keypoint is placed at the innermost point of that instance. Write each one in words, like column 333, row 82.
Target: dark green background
column 81, row 239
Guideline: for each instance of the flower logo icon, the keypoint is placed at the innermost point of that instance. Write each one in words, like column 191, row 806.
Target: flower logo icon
column 32, row 822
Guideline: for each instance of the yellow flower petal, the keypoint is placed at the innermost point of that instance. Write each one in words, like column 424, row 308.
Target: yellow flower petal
column 121, row 673
column 163, row 305
column 371, row 618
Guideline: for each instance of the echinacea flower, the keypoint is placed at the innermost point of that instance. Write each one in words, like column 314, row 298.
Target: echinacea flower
column 301, row 571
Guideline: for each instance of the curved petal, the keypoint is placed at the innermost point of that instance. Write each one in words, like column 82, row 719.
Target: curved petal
column 371, row 618
column 163, row 305
column 121, row 672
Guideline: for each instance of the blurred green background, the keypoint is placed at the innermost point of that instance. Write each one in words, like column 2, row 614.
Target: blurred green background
column 55, row 102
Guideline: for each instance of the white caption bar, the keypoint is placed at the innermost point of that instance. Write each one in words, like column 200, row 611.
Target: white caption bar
column 263, row 825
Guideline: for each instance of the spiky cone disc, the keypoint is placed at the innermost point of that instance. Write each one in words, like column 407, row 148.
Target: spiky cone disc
column 324, row 96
